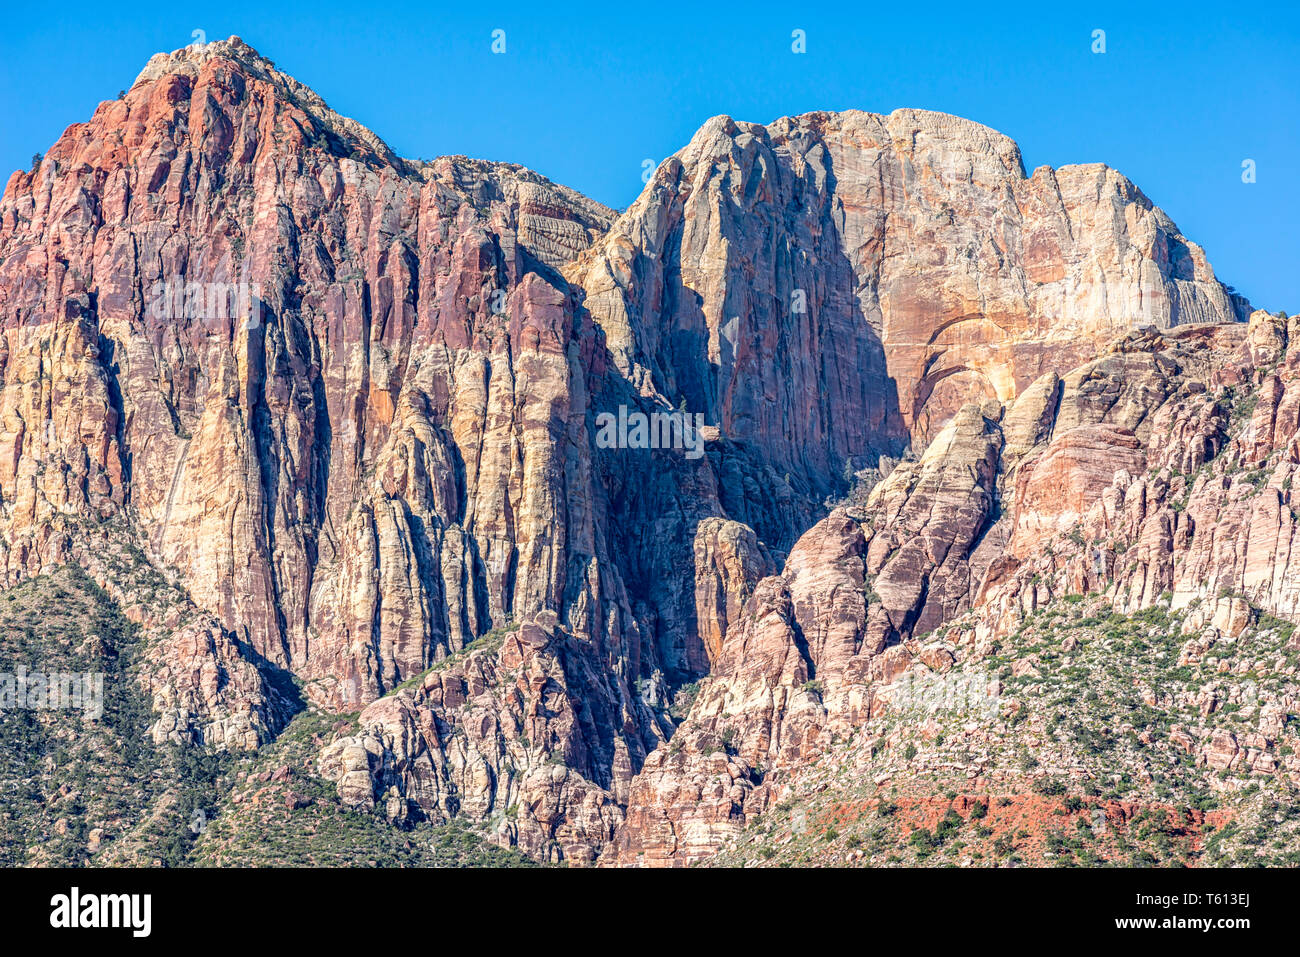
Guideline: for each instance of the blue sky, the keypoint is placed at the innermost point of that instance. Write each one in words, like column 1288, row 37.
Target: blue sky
column 585, row 93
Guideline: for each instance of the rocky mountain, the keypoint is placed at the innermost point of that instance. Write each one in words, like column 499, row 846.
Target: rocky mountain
column 764, row 265
column 1155, row 479
column 328, row 425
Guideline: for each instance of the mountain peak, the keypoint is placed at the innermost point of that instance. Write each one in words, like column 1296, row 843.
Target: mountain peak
column 191, row 60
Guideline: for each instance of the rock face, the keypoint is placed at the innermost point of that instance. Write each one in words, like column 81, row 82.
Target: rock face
column 813, row 644
column 512, row 736
column 729, row 560
column 1056, row 489
column 774, row 276
column 343, row 398
column 314, row 466
column 345, row 401
column 345, row 407
column 1159, row 474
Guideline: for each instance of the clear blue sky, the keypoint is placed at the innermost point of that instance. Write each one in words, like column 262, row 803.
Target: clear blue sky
column 1182, row 95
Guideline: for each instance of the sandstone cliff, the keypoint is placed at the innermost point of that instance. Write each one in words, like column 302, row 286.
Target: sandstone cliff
column 779, row 276
column 337, row 410
column 1157, row 476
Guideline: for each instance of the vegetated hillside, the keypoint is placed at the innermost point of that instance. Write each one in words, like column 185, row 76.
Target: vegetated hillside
column 76, row 790
column 1088, row 738
column 279, row 812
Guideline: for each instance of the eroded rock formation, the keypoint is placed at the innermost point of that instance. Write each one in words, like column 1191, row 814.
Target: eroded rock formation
column 775, row 275
column 1159, row 475
column 342, row 405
